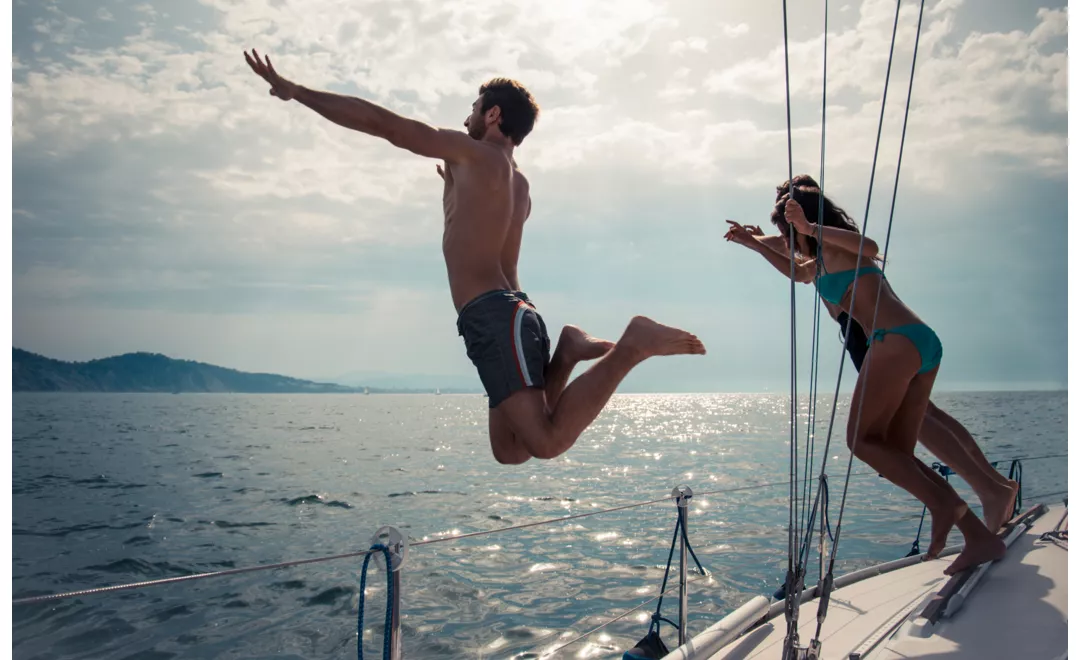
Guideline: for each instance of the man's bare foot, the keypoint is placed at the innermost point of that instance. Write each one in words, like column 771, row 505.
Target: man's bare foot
column 580, row 346
column 989, row 548
column 941, row 523
column 998, row 507
column 647, row 338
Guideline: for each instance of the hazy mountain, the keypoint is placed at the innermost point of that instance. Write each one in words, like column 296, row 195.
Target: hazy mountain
column 147, row 372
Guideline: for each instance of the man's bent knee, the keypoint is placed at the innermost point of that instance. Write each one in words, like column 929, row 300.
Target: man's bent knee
column 510, row 457
column 526, row 413
column 526, row 446
column 541, row 440
column 505, row 445
column 507, row 448
column 547, row 450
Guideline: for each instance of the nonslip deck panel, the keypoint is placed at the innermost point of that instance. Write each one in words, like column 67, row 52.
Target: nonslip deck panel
column 1027, row 590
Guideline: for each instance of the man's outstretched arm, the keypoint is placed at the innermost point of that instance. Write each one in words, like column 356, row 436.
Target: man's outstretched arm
column 366, row 117
column 360, row 115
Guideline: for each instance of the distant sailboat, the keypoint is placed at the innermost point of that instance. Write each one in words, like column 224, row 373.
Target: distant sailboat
column 367, row 391
column 438, row 391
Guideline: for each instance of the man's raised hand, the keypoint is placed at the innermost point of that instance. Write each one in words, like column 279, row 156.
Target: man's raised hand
column 279, row 87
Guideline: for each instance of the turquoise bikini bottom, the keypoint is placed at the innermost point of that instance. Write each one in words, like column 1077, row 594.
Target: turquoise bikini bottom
column 925, row 340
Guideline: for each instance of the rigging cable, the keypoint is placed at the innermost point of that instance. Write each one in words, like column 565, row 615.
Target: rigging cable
column 824, row 600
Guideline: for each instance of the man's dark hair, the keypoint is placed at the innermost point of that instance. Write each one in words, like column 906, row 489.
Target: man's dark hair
column 517, row 106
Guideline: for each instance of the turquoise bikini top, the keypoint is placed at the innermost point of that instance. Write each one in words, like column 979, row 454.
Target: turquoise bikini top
column 833, row 286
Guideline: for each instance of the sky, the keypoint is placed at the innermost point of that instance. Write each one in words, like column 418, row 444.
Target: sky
column 163, row 201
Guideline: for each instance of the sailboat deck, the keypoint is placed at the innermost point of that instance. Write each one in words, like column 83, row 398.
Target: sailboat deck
column 1019, row 609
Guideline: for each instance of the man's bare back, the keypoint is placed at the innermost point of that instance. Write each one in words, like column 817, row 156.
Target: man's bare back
column 533, row 413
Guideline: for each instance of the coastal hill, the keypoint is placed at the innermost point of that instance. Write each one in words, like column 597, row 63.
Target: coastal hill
column 148, row 372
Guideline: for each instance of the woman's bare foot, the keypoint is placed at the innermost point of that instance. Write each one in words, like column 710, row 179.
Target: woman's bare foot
column 580, row 346
column 998, row 507
column 941, row 523
column 980, row 551
column 647, row 338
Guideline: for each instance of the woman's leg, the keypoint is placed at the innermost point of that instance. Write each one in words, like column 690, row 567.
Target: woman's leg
column 980, row 545
column 950, row 442
column 888, row 375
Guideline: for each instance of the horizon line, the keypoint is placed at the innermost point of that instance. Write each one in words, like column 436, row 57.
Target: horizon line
column 424, row 391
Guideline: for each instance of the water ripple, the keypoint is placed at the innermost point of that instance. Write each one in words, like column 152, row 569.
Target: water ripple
column 110, row 498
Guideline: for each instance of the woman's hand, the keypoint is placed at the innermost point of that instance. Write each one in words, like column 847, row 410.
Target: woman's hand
column 746, row 236
column 793, row 213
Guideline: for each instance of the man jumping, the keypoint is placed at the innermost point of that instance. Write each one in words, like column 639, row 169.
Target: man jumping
column 533, row 413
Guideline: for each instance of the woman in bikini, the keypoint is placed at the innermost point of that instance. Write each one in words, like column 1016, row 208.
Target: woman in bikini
column 900, row 367
column 943, row 435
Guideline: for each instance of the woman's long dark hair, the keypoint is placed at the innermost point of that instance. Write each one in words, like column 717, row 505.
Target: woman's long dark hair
column 808, row 195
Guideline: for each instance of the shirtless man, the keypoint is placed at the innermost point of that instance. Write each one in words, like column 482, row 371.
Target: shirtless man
column 533, row 413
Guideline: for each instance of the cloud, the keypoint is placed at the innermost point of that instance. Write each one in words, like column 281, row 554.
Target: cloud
column 692, row 44
column 995, row 95
column 733, row 31
column 148, row 86
column 415, row 61
column 58, row 26
column 153, row 174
